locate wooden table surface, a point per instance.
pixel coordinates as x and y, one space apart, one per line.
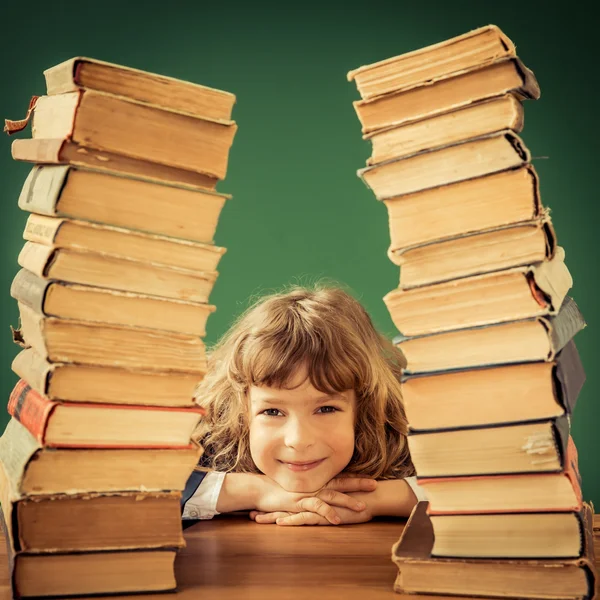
231 558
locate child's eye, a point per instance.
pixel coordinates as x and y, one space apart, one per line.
328 409
271 412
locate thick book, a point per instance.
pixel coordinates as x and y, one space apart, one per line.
494 395
527 340
485 203
472 254
434 168
421 573
476 120
159 90
511 535
59 232
533 447
86 425
64 300
87 522
134 129
75 265
89 343
105 385
34 470
68 153
540 492
508 295
507 75
478 47
127 202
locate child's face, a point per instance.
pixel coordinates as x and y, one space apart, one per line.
300 437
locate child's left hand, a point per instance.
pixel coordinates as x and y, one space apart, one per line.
309 518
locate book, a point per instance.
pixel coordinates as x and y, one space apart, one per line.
74 265
131 203
85 522
507 75
494 395
167 92
59 232
477 47
88 343
433 168
87 303
133 129
472 121
536 447
528 340
110 385
543 492
421 573
506 198
67 152
472 254
84 425
34 470
508 295
514 535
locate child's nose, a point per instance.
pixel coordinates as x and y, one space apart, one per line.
298 434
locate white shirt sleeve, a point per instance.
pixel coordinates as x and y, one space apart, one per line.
203 503
419 492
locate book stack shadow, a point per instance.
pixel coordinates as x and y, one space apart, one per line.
487 327
113 294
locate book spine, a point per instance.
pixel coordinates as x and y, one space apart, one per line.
29 289
36 258
565 324
31 367
562 428
553 278
42 229
569 376
43 186
30 408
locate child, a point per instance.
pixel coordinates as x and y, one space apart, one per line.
304 417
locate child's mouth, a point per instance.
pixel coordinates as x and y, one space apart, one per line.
303 466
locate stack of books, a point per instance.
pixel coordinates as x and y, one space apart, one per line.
113 291
487 327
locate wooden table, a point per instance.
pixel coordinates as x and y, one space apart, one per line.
231 558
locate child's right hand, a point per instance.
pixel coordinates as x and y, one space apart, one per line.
273 498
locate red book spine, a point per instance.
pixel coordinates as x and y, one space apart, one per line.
30 408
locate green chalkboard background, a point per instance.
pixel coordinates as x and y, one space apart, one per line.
298 211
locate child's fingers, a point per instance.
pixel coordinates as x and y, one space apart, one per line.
313 504
334 498
352 484
271 518
254 513
303 518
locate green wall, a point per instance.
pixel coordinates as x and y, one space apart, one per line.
299 212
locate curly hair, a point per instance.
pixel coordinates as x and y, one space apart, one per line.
328 332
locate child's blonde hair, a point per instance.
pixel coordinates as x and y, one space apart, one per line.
326 330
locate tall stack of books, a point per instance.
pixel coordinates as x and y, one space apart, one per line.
117 268
492 373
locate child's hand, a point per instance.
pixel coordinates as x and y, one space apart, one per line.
311 518
326 504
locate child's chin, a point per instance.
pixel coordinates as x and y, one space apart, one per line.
300 485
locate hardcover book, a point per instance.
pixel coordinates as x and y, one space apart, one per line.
528 340
34 470
508 295
477 47
127 202
420 573
455 90
534 447
112 385
158 90
83 425
494 395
